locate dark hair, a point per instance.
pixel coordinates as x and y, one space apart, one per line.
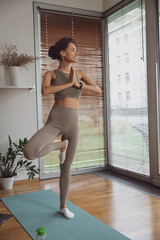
61 45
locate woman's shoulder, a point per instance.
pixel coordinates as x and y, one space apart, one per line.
51 74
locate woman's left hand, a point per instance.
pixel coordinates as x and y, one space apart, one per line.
76 84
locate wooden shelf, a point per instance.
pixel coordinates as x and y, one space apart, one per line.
17 87
30 88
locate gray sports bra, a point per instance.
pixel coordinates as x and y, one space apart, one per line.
63 78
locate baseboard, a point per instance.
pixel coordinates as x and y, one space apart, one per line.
144 187
26 180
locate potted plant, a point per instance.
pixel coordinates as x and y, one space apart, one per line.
10 165
14 61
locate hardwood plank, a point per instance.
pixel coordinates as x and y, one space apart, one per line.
131 212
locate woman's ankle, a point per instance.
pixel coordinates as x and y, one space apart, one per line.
62 205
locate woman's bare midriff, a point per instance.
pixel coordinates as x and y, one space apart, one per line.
68 102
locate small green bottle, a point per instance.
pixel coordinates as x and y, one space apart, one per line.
41 233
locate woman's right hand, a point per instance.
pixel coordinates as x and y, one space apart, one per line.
72 76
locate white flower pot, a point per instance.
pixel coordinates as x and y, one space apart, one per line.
7 183
14 76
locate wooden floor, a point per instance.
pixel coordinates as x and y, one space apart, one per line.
131 212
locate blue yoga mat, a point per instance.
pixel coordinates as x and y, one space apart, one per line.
40 208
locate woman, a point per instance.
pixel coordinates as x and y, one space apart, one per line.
67 85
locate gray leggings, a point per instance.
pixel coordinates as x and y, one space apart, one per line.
61 121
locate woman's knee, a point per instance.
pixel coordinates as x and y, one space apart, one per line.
65 169
28 154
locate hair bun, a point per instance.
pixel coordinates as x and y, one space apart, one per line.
52 52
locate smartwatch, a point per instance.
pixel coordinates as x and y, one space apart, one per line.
81 85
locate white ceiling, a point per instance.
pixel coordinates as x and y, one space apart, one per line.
107 4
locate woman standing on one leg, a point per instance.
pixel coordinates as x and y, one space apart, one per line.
67 85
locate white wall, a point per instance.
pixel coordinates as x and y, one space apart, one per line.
18 116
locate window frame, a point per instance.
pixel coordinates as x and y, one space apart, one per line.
64 10
152 73
152 46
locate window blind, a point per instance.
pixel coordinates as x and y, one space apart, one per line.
87 33
128 88
158 85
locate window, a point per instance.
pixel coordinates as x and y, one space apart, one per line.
128 137
126 57
131 93
119 78
127 76
126 37
117 40
128 96
119 96
118 60
87 33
